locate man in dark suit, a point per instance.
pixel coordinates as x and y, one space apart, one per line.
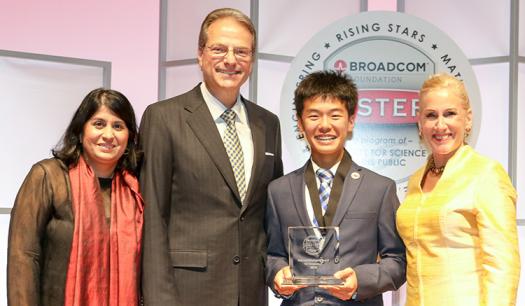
209 156
332 190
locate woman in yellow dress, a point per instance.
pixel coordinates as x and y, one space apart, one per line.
458 220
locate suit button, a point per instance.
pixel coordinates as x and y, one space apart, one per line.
318 299
236 259
242 218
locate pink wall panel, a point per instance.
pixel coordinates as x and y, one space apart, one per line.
382 5
123 32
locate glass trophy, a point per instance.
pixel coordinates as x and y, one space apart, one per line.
313 255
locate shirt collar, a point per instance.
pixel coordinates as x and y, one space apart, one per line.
333 169
217 108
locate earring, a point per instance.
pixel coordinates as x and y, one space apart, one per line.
466 135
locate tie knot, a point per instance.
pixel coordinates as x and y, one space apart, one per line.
325 175
228 116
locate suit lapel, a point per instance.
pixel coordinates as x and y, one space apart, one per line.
351 185
297 187
205 129
258 137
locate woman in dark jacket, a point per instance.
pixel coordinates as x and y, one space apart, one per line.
76 225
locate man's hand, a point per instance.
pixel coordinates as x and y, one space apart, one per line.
280 277
346 291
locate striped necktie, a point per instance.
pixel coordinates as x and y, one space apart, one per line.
326 178
234 150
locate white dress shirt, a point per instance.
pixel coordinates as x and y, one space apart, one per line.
241 125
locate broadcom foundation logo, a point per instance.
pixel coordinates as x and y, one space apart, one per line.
388 55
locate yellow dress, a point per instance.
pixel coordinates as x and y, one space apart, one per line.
461 238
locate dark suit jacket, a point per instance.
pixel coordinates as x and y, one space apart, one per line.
366 219
201 246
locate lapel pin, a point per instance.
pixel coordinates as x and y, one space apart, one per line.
355 175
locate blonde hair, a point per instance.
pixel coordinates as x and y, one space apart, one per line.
445 81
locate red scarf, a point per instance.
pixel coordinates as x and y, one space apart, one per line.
104 264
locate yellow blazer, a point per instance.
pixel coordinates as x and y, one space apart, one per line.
461 238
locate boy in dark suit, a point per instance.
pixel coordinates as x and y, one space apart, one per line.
332 190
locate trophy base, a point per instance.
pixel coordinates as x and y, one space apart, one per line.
314 281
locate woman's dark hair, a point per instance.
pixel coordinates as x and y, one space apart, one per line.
69 148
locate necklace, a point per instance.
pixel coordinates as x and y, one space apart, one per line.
435 170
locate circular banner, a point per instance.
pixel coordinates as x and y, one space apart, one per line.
388 55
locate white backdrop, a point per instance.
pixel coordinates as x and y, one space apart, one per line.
37 100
